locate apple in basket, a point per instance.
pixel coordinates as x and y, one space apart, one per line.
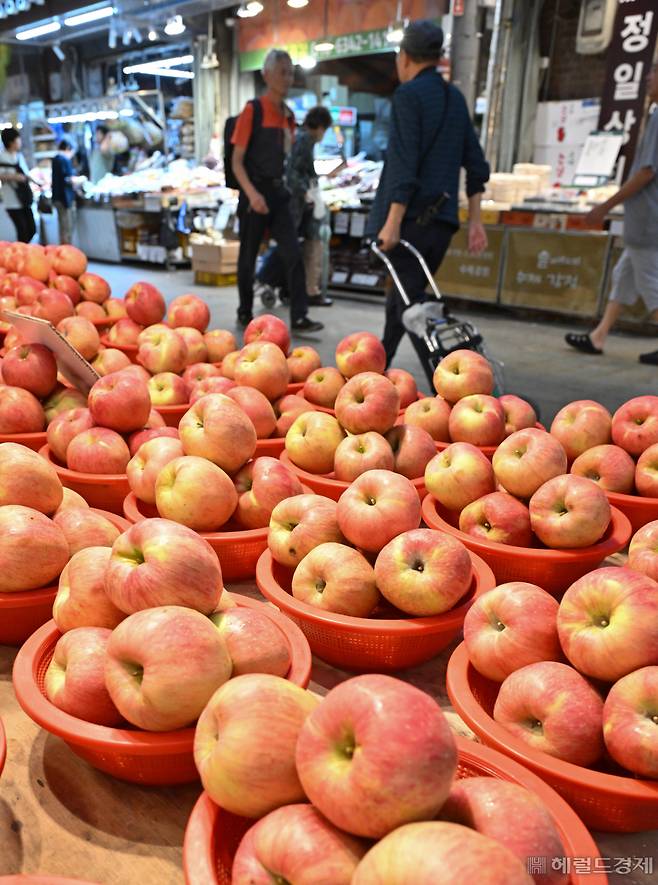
608 466
219 343
497 517
463 373
70 499
581 425
163 666
294 844
268 328
26 291
643 551
458 475
299 524
52 305
553 709
68 260
405 384
61 400
158 562
608 623
214 384
423 572
646 473
527 459
367 402
94 288
65 427
254 643
338 579
378 506
196 493
509 627
413 449
261 485
145 304
197 352
167 389
569 512
287 409
477 419
323 386
189 310
197 372
81 334
373 791
125 332
120 403
28 479
519 414
635 424
244 746
312 440
90 311
75 678
262 365
136 440
630 716
434 851
302 361
145 465
365 451
487 805
161 349
216 428
360 352
81 599
32 367
115 309
67 284
229 363
257 407
98 451
33 550
432 413
83 527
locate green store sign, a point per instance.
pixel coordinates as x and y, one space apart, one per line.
346 46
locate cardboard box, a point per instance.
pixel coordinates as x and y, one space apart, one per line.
220 258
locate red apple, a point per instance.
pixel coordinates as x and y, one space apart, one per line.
228 364
497 517
629 722
581 425
147 462
196 493
213 384
312 440
68 285
35 263
287 409
527 459
53 305
120 403
413 449
405 384
167 389
635 424
257 407
254 643
32 367
360 352
261 485
263 366
28 479
268 327
63 399
81 334
140 437
94 288
124 332
646 472
81 600
189 310
145 304
366 451
70 499
299 524
83 528
378 506
519 414
98 451
643 551
68 260
197 372
302 361
569 512
368 402
216 428
432 413
161 350
477 419
115 309
20 411
463 373
27 290
338 579
610 467
323 386
459 475
90 311
197 352
139 372
219 343
33 550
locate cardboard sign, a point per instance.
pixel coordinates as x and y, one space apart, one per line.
70 363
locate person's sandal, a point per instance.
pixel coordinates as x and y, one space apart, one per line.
582 342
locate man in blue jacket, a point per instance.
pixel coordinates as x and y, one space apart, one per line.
431 138
62 189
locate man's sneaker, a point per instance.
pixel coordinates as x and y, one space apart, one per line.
244 319
320 301
306 324
649 359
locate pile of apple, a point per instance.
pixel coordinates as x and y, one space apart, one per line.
149 633
604 698
337 801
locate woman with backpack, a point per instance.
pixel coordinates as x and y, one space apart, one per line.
17 196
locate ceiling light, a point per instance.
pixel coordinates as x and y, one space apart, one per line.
323 46
38 31
152 35
250 9
243 12
159 69
395 32
59 52
126 112
83 18
308 62
161 63
297 4
175 25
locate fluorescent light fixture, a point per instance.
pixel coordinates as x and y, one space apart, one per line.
88 117
308 62
146 66
59 52
254 7
126 112
297 4
395 32
93 15
38 31
152 35
169 72
243 12
175 25
323 46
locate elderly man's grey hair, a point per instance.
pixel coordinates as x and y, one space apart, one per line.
273 57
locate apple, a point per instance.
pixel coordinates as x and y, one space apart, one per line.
163 666
302 361
136 440
581 425
405 384
120 403
509 627
432 413
189 310
268 327
244 746
630 715
115 309
70 499
147 462
94 288
263 366
197 372
643 551
323 386
312 440
75 678
91 311
569 512
377 506
53 305
196 493
197 352
228 364
360 352
338 579
477 419
145 304
159 562
488 804
299 524
84 527
646 472
32 367
608 623
366 451
20 411
610 467
26 290
287 409
219 343
519 414
28 479
553 709
257 407
68 260
368 402
216 428
433 851
459 475
33 550
139 372
12 338
497 517
254 643
124 332
167 389
213 384
423 572
64 427
413 449
35 263
261 485
81 334
98 451
349 761
635 424
161 350
463 373
527 459
81 600
68 285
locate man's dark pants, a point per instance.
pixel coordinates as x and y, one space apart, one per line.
281 227
432 242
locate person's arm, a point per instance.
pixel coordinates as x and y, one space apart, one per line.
477 174
256 199
635 183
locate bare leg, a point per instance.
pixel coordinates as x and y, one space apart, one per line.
607 321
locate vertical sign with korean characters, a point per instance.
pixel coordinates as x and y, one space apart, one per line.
629 60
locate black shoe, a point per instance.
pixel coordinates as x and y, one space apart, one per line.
649 359
583 343
306 324
244 319
320 301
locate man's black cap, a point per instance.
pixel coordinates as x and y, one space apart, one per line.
422 38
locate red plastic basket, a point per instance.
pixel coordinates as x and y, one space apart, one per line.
604 800
295 387
34 441
24 612
3 747
212 835
333 412
130 350
489 451
388 641
106 491
105 324
325 484
273 446
144 757
172 414
554 570
638 510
